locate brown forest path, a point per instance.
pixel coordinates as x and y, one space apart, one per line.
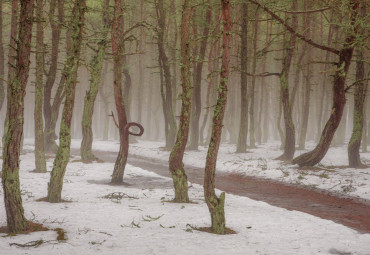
346 211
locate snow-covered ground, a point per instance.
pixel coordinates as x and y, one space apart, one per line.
143 223
260 163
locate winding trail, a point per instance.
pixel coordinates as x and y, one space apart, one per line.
350 212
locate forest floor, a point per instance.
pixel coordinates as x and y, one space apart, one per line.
136 219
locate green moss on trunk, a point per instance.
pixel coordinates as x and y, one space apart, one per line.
61 160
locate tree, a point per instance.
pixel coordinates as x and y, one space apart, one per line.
166 85
123 125
243 127
197 80
359 98
96 67
176 164
216 204
14 126
39 91
2 60
288 45
51 109
345 55
72 62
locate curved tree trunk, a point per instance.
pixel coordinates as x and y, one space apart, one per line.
39 93
289 45
96 66
15 114
241 146
176 164
123 125
56 27
345 55
72 62
216 204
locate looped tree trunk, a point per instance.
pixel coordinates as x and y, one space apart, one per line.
134 124
119 167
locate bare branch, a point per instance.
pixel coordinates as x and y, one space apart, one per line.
292 30
114 119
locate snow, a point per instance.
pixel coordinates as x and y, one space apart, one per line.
142 222
331 176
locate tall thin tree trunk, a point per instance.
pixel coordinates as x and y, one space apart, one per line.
15 112
176 164
72 62
289 45
11 54
2 60
216 204
359 102
39 92
241 146
96 67
167 81
197 99
252 139
56 24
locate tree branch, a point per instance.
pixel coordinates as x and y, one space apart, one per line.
291 30
114 119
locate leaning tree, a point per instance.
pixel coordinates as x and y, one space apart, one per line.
176 165
71 67
123 125
216 204
349 9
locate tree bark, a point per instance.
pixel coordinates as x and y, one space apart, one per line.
197 79
72 62
50 122
176 164
171 126
359 102
216 204
15 114
241 146
39 92
96 67
2 59
289 45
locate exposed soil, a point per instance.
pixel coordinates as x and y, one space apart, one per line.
350 212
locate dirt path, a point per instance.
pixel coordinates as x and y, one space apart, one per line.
347 211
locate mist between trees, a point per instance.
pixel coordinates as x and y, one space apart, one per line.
190 73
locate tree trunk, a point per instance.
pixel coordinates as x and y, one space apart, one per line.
72 62
216 204
252 139
15 112
241 146
176 164
345 55
197 99
165 66
123 125
96 66
11 53
289 45
56 27
39 92
359 102
2 60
